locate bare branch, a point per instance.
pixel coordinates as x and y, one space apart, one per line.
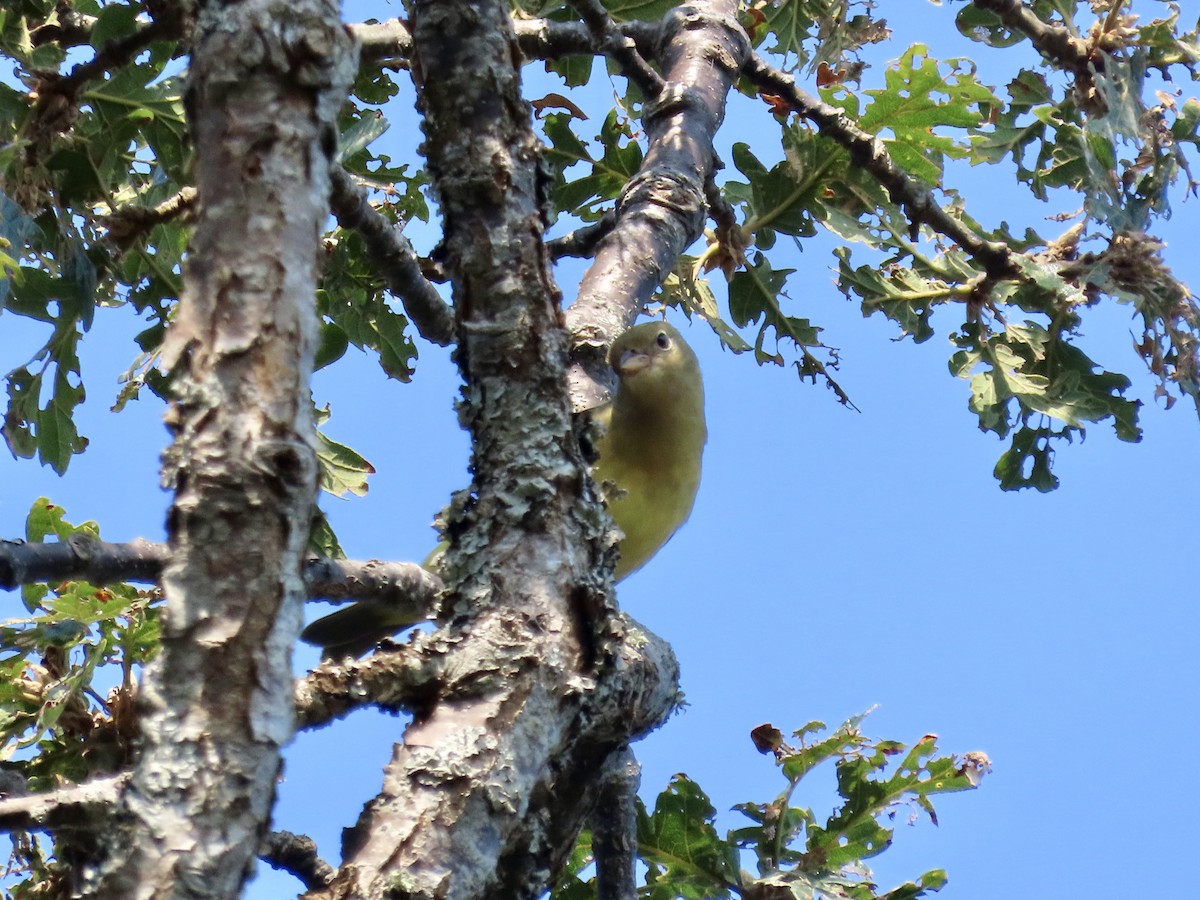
126 223
297 855
382 40
661 210
80 557
336 580
614 829
74 805
394 258
1054 42
582 242
913 196
537 38
618 46
99 563
393 679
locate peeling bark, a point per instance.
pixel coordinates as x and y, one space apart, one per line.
537 686
266 81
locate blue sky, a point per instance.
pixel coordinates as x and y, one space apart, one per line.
834 561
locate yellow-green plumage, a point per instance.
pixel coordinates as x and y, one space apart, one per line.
652 441
652 435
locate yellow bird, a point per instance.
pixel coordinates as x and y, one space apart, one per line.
652 436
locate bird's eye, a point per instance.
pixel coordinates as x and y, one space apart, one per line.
663 340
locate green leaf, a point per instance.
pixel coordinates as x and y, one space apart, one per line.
116 20
46 519
352 300
360 133
786 199
576 71
16 230
693 294
678 842
322 541
571 883
583 195
901 294
920 103
986 27
756 293
343 471
374 85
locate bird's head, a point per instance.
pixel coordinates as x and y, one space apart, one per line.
653 357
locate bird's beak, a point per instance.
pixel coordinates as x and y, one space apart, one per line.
632 362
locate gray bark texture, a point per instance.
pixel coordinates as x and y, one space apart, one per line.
538 681
265 84
527 696
661 210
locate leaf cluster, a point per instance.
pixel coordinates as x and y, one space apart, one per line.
95 191
1101 148
95 194
56 729
796 855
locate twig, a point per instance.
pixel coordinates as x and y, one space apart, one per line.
394 258
126 223
913 196
730 241
392 681
619 47
99 562
614 828
537 38
296 854
582 241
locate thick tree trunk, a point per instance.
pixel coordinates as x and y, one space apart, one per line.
539 685
265 84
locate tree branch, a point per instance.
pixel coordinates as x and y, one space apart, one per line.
394 258
55 96
618 46
394 680
614 829
127 223
296 854
913 196
76 805
1054 42
99 563
265 84
1060 47
534 687
661 210
73 29
537 38
582 242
